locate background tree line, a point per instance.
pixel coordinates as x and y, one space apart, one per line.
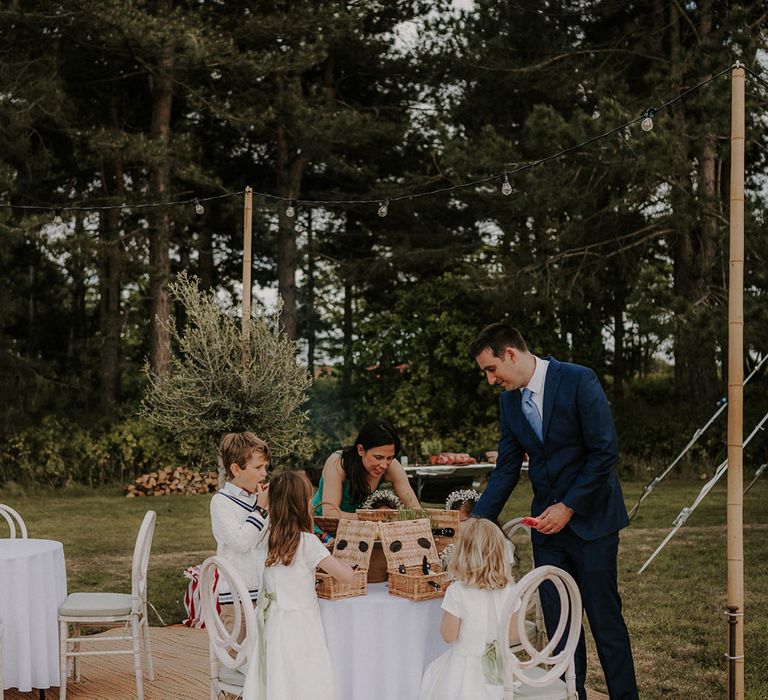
614 256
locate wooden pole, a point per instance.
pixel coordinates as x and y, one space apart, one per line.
247 261
735 530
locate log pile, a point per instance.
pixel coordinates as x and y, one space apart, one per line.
179 482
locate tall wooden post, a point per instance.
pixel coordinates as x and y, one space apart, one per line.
735 395
247 262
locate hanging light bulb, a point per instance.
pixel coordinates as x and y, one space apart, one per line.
199 208
506 187
384 208
647 123
57 216
290 210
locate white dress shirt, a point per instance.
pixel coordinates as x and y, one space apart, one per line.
536 384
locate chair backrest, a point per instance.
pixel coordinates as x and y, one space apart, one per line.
223 643
512 527
141 558
13 519
558 664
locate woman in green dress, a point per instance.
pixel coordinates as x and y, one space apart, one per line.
350 475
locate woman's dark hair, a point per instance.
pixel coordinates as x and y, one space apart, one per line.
374 433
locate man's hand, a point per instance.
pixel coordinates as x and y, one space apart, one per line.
262 495
554 519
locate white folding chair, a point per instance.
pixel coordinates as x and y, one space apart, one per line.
13 519
229 658
539 675
535 628
111 610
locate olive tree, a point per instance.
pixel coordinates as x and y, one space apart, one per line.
221 380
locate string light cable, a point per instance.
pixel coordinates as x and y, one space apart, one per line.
383 203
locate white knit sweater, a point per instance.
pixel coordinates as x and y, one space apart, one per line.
241 537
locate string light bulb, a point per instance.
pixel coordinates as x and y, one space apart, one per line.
57 216
199 208
290 210
384 208
647 123
506 187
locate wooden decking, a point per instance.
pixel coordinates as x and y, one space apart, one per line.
182 670
180 656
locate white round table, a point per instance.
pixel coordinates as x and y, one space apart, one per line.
380 644
33 583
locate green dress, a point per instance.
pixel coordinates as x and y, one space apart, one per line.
346 502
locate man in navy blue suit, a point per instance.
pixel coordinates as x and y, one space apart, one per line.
558 413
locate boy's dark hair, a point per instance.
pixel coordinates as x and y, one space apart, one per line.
497 336
236 448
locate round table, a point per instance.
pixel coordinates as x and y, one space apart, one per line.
380 644
33 583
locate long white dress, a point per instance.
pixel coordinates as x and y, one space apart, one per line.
298 665
457 674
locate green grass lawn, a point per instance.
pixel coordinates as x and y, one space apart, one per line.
674 610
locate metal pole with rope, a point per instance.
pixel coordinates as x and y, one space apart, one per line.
722 404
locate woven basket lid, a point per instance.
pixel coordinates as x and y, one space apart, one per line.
354 542
407 542
439 517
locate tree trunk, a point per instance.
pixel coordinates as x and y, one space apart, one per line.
619 363
310 332
290 168
347 325
695 250
110 280
77 333
160 230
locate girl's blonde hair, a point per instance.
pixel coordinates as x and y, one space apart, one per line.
289 516
480 559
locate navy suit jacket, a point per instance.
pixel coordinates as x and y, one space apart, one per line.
576 461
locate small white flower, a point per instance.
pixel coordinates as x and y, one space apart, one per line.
460 496
382 496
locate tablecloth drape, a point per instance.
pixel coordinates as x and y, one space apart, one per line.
380 644
33 583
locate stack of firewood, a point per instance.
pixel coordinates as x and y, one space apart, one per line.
179 481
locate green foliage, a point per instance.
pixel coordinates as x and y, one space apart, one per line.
219 384
58 452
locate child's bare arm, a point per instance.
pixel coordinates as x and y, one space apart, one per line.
340 570
449 627
514 635
333 485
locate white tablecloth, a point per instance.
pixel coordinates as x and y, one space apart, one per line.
33 583
380 644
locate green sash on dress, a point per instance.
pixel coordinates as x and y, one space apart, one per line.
492 663
266 598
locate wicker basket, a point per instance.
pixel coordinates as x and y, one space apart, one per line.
376 514
353 545
325 523
443 521
406 543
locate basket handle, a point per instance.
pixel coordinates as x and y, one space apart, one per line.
326 503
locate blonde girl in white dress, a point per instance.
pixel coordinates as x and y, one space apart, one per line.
470 669
297 663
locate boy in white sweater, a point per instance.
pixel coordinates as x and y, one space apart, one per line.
239 516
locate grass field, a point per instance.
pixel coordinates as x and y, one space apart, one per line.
674 610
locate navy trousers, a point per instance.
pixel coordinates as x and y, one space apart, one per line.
593 565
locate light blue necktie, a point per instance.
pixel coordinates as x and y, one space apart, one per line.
531 412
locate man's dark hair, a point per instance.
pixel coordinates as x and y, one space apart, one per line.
497 336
